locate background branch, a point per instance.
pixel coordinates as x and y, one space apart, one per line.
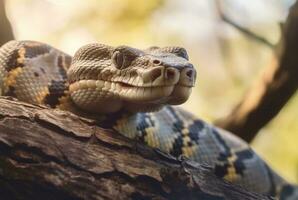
272 90
241 28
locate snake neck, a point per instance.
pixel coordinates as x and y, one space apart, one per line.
122 121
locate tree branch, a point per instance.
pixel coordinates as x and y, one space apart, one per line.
241 28
272 90
52 154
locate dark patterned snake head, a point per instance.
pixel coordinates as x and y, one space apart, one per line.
106 79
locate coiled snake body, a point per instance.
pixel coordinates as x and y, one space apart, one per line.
136 89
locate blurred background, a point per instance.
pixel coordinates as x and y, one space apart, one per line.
227 59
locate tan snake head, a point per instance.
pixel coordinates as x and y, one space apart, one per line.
104 79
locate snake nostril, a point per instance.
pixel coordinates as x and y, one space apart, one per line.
156 62
156 73
170 73
189 73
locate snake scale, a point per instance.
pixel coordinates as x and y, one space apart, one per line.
134 91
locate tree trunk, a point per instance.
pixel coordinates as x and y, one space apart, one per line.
5 27
272 91
52 154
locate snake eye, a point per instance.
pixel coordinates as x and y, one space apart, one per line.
118 59
123 56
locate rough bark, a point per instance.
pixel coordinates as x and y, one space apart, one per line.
272 90
52 154
6 33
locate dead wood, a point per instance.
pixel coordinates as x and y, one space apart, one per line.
52 154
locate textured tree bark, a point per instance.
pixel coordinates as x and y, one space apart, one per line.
6 33
52 154
271 92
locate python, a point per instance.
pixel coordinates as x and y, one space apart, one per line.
135 92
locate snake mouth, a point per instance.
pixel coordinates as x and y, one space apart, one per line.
91 95
132 93
152 99
127 85
153 89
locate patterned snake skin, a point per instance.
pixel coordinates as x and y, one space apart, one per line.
132 91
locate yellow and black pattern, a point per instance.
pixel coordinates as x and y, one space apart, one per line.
34 72
37 73
177 132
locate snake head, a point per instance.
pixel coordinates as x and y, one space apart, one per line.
104 79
